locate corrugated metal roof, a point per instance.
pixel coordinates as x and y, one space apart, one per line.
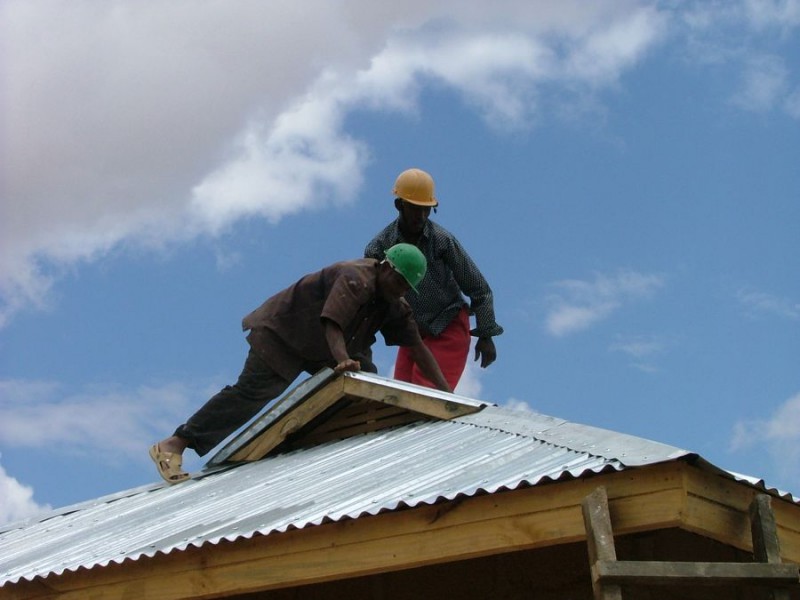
421 463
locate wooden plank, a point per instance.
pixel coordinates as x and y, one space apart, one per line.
359 416
596 519
600 541
291 422
787 522
416 401
766 547
640 512
355 408
718 522
367 412
718 507
319 437
697 573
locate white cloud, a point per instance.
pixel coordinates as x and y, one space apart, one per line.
605 53
761 303
641 348
303 160
118 423
637 346
565 319
791 104
761 16
734 34
470 385
519 405
764 84
784 14
16 500
226 260
576 305
122 109
778 434
150 123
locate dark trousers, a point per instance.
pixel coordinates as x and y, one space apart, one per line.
233 406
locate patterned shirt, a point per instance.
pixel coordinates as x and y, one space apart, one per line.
451 272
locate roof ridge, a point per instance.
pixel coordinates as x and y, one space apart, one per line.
627 449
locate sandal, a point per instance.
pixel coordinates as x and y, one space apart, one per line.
168 465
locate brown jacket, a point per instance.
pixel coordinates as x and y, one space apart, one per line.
288 326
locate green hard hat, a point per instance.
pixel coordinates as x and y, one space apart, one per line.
407 260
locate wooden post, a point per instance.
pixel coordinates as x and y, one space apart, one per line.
600 539
766 547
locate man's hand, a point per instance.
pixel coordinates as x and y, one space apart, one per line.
485 350
335 339
347 365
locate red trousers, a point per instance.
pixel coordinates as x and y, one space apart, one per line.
450 349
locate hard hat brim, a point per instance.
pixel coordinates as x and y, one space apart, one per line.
433 203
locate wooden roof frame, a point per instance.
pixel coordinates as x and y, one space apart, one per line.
661 496
378 404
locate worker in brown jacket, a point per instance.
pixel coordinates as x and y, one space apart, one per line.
324 319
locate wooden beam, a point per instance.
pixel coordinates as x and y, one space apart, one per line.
392 420
766 546
291 422
419 402
600 541
274 413
696 573
718 507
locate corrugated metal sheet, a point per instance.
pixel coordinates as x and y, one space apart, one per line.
421 463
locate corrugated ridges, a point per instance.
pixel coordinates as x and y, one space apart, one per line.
416 464
421 463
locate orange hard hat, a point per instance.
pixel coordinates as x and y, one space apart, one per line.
415 186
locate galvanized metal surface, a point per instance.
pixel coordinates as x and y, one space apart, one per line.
421 463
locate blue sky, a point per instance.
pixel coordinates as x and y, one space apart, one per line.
624 173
